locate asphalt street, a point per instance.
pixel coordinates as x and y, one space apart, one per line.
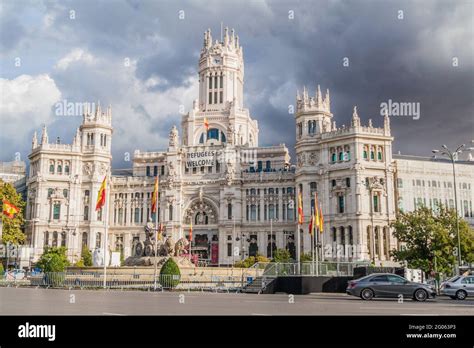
30 301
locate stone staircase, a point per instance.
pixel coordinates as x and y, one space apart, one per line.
258 285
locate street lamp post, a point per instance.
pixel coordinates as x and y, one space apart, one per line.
453 156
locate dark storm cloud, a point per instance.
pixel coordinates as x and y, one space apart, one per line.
405 60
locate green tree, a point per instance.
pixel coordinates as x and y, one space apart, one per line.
281 255
427 234
12 232
170 274
53 260
86 256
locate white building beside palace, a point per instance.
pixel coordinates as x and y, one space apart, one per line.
239 196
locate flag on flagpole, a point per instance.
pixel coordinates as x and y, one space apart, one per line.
206 123
9 209
300 209
311 223
101 194
321 220
154 197
316 211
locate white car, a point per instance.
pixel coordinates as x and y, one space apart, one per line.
458 288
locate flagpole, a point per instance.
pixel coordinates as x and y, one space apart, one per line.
106 227
156 236
316 237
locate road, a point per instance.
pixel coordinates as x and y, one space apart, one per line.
30 301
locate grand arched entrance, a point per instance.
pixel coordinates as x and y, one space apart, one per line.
202 213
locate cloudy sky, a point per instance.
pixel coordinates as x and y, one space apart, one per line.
141 58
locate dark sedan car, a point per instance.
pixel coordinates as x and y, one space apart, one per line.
388 285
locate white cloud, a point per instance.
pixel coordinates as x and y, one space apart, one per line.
25 104
76 55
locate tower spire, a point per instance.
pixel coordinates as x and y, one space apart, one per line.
44 135
355 118
34 142
319 98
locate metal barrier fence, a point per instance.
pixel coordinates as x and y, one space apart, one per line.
145 281
95 280
332 269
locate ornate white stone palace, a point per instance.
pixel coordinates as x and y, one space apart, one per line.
240 196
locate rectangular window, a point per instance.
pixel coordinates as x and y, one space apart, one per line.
210 97
348 182
399 183
222 82
221 97
86 213
229 249
341 204
56 211
215 97
147 170
376 203
210 82
155 170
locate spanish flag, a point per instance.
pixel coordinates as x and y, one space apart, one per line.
154 197
300 209
316 211
311 224
321 220
9 209
206 123
101 194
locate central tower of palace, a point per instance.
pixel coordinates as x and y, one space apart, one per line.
220 100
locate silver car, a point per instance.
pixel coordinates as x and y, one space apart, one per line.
459 287
388 285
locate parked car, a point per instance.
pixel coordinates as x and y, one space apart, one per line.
459 287
388 285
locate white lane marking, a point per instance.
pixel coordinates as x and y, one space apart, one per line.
107 313
261 314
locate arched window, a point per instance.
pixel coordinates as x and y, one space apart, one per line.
343 240
51 168
380 154
201 139
213 133
136 217
55 239
271 211
86 213
341 156
98 240
223 138
253 212
333 157
46 239
377 238
60 168
386 238
369 244
63 239
84 239
366 152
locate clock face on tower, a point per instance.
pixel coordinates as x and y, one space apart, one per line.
216 60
